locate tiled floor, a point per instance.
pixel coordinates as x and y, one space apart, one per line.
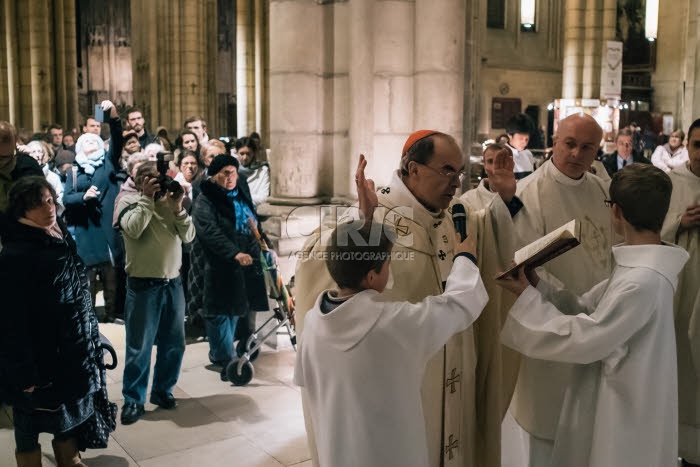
215 423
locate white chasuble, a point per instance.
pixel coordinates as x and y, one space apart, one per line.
551 199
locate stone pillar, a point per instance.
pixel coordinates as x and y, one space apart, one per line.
394 88
474 30
299 165
178 79
588 24
691 101
574 37
38 63
439 66
361 93
258 33
12 64
245 66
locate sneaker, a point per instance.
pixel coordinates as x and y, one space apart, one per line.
164 400
131 412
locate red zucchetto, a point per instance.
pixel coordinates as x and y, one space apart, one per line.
415 137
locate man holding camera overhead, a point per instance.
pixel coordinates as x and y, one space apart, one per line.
154 225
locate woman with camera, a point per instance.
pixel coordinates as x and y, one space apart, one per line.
49 339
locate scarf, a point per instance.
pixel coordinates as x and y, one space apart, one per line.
243 212
95 158
53 231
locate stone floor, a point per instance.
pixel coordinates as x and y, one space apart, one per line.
215 423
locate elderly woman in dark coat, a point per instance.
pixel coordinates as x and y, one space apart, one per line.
233 279
90 190
49 339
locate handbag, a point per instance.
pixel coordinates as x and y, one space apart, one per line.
94 432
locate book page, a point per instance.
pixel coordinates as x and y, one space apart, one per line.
567 230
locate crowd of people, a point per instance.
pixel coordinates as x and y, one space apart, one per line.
598 343
77 211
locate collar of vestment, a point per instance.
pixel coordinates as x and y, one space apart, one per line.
685 172
559 177
397 194
416 227
484 187
666 259
350 322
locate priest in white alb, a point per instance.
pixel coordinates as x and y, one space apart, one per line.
682 226
560 190
497 365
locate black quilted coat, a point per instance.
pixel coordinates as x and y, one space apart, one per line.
229 289
49 334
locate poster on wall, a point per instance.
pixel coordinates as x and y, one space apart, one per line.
611 71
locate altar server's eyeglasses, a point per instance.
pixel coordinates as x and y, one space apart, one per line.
608 202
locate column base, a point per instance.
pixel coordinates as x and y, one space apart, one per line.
308 201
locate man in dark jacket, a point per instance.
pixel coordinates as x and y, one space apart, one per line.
13 166
136 122
624 155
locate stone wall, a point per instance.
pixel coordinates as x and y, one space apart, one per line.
532 87
359 77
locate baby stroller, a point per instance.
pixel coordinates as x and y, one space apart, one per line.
240 370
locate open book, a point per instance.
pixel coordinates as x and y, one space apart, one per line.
548 247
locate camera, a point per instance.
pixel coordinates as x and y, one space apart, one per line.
166 182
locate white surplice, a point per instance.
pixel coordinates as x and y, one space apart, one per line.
686 192
621 408
363 393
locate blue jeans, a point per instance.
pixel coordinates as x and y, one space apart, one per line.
155 313
221 331
27 435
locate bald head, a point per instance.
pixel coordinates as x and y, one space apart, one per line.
581 122
576 144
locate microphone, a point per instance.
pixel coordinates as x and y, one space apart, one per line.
459 219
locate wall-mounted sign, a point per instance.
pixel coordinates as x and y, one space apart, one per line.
611 71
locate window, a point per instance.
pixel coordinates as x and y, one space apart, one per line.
496 14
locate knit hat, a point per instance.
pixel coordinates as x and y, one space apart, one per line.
221 161
64 156
415 137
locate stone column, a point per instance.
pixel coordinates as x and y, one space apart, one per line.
245 66
690 98
439 66
475 28
361 109
177 79
12 64
588 24
38 83
299 164
394 88
574 37
258 33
